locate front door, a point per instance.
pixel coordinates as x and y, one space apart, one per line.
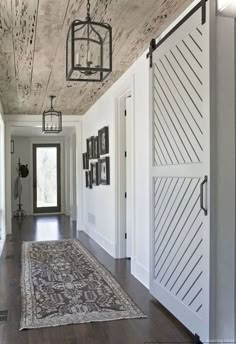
46 178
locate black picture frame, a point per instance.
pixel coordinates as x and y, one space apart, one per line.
12 147
104 171
103 139
90 147
85 161
95 176
95 147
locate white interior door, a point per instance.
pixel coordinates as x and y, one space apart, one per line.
180 147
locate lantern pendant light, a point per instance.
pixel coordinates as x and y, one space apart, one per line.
52 120
88 50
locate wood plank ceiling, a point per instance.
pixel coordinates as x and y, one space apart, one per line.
32 48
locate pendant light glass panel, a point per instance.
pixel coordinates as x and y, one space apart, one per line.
52 123
89 51
52 120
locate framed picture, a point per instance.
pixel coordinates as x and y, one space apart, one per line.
12 146
90 147
103 139
94 169
95 148
87 179
85 161
104 170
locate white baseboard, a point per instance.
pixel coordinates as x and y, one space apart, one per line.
141 273
107 245
137 269
80 227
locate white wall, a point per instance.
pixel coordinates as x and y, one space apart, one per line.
73 177
2 181
225 173
79 176
22 151
67 144
100 203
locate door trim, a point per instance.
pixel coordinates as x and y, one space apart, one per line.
47 210
126 89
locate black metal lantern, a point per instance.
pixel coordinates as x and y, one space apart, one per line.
88 50
52 120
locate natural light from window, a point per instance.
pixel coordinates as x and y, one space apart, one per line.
46 177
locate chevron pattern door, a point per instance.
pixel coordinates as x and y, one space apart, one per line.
180 173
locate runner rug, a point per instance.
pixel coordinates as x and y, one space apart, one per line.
62 283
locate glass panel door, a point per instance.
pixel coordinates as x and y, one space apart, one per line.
46 165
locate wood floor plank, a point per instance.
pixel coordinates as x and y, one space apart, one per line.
159 327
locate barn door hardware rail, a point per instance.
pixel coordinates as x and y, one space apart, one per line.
154 45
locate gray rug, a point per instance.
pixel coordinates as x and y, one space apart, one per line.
62 283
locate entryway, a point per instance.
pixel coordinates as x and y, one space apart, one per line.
50 186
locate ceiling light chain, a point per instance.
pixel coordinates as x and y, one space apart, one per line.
88 10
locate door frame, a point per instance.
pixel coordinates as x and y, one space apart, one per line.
125 90
46 210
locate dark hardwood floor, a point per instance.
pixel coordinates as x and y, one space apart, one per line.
159 327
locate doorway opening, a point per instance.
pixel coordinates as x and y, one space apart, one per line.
46 178
125 179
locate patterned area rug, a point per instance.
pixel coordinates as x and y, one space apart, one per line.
62 283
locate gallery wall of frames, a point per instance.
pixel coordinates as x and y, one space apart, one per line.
96 163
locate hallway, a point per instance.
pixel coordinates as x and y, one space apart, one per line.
117 171
159 327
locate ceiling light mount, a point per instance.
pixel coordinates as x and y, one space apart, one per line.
88 10
88 50
52 120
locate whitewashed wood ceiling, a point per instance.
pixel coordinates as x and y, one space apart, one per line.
32 48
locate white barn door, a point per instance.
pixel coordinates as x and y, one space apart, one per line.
180 222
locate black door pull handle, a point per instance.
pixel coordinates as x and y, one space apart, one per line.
202 195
